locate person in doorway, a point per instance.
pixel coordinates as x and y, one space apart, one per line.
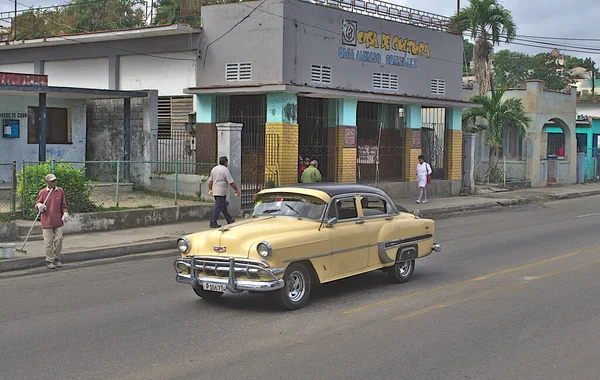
218 183
302 165
312 174
561 151
423 175
52 205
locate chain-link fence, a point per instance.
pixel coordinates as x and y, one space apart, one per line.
506 171
7 190
111 185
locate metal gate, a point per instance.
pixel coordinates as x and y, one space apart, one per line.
317 134
432 139
380 131
251 112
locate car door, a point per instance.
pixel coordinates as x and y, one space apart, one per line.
376 214
349 238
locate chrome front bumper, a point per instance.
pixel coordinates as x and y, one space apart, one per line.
222 270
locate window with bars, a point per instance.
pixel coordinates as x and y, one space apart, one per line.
320 74
513 144
235 72
438 87
385 81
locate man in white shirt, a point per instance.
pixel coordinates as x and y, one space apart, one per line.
423 173
218 183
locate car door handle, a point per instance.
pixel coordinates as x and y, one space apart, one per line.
360 221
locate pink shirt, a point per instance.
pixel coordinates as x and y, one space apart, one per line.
56 207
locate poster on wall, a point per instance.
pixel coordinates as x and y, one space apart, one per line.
10 129
11 124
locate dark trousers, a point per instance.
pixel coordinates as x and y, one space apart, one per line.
220 207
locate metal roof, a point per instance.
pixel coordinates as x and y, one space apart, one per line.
70 92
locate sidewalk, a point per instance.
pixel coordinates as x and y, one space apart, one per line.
98 245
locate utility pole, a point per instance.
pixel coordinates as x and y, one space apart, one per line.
458 12
15 20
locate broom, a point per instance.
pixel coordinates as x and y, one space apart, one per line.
22 249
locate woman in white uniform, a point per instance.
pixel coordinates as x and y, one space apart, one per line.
423 171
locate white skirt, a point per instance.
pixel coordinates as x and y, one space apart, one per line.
422 180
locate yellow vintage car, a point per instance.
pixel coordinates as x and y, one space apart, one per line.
304 234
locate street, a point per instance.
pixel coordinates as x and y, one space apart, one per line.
513 295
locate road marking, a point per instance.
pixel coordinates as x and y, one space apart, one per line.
588 215
491 291
455 284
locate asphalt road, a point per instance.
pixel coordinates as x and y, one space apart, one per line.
513 295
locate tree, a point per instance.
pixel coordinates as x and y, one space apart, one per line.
169 12
511 69
493 117
554 75
590 66
468 55
488 23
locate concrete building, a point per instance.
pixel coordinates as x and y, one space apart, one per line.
547 154
363 87
162 58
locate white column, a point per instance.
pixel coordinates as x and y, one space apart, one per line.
229 144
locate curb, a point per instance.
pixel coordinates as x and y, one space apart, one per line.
91 254
169 243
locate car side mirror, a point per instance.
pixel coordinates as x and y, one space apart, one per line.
247 216
331 222
417 214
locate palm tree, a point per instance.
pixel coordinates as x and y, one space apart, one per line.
489 23
495 115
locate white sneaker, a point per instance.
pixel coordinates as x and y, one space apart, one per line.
58 263
425 201
418 201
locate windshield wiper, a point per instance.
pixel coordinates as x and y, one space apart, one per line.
295 212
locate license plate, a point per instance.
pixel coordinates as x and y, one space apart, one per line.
213 287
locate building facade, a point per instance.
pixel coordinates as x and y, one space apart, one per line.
364 89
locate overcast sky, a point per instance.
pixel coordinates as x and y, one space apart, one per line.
554 18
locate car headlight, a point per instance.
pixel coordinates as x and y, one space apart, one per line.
183 244
264 249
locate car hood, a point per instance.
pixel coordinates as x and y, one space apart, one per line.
238 239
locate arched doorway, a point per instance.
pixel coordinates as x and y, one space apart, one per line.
556 152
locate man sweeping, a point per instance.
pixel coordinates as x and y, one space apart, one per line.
53 217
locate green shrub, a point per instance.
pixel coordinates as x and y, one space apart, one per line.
72 180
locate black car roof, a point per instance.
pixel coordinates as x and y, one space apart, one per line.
335 188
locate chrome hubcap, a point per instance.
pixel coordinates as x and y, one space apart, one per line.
296 286
404 268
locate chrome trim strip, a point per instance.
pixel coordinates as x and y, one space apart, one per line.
395 243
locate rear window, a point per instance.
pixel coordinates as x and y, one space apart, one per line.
286 204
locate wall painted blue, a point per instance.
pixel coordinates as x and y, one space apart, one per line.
413 116
454 117
206 108
17 149
282 107
347 112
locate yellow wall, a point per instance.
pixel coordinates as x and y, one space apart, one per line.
453 155
411 157
346 160
281 153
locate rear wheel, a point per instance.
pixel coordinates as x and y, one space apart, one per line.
296 290
206 294
401 272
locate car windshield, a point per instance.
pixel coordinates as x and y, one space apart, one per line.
296 205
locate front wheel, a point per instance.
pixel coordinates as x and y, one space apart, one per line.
207 294
401 272
296 290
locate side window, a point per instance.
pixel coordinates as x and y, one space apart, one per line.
373 206
343 209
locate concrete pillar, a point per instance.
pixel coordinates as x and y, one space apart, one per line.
43 119
281 140
113 72
206 128
346 141
468 165
38 67
229 142
412 141
453 145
